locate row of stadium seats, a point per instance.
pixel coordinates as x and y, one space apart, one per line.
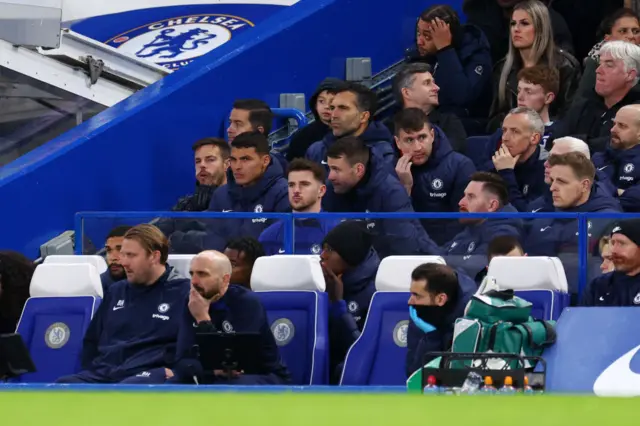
66 291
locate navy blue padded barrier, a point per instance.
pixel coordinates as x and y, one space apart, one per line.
49 322
148 137
378 357
305 348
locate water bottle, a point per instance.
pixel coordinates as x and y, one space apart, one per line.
527 388
472 383
432 386
488 386
507 388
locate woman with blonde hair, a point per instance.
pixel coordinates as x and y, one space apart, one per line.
530 44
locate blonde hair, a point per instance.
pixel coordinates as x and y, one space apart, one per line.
151 239
543 47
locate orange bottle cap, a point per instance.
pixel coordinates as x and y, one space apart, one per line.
508 381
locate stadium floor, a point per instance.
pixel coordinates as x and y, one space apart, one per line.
159 406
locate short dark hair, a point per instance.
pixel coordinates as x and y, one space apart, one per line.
582 167
222 145
304 165
439 279
494 184
548 78
366 99
255 140
260 113
151 239
251 248
606 26
119 231
405 78
410 120
351 148
502 245
448 15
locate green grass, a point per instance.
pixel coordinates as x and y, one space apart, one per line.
226 409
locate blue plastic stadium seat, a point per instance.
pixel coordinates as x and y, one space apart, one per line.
379 355
291 288
299 323
54 320
547 304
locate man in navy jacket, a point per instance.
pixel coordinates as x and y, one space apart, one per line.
621 160
112 246
433 174
486 193
307 187
216 306
439 296
358 182
572 189
352 110
349 264
255 183
132 336
622 286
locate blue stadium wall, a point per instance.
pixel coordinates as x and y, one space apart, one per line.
137 156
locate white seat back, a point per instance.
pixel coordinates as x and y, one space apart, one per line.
287 273
181 263
394 272
528 273
97 261
65 280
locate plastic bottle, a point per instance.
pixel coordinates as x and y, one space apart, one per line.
472 383
527 389
431 387
507 387
488 386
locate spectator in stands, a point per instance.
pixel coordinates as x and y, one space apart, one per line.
255 183
505 246
433 174
486 193
112 246
537 89
531 44
623 25
520 158
252 115
622 286
243 253
320 105
211 164
132 336
306 189
360 182
16 272
349 263
439 296
572 187
621 160
352 111
460 54
215 305
591 118
603 186
493 18
414 87
604 246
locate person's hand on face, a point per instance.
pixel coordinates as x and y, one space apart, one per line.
441 34
503 160
199 306
335 287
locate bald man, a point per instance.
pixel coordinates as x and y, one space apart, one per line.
621 160
217 306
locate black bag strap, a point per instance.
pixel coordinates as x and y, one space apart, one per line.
550 333
500 294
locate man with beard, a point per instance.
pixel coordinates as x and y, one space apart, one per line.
112 246
216 306
622 286
306 188
132 337
439 295
352 111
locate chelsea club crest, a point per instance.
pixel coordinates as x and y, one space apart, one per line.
176 42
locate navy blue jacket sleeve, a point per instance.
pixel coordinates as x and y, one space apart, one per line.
344 328
419 344
630 199
589 294
187 365
463 84
92 335
516 198
313 152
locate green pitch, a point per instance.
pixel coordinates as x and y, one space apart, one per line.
227 409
